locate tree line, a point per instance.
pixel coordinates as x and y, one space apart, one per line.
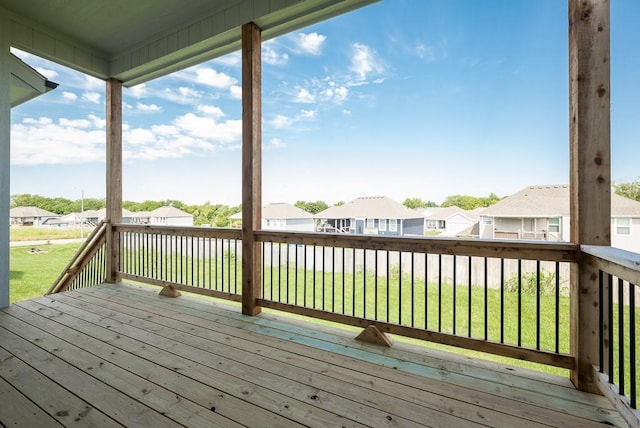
217 215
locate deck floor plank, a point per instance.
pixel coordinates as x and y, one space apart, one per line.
507 397
254 370
201 363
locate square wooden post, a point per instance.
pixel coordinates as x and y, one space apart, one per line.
251 167
590 171
114 174
5 156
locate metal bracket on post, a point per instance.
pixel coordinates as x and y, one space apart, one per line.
373 335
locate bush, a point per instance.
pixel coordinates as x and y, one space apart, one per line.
529 283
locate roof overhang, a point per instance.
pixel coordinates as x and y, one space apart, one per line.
136 41
26 83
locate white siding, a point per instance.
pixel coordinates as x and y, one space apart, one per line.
629 242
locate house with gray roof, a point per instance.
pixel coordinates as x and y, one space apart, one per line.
542 213
170 216
31 216
371 215
282 216
449 221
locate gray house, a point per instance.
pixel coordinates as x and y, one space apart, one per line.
31 216
542 213
371 215
282 216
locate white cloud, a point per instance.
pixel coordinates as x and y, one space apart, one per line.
47 72
93 84
210 77
310 43
92 97
139 91
340 94
181 95
98 122
165 130
69 96
281 121
308 114
304 96
272 57
138 136
364 61
236 92
77 123
209 129
276 143
214 111
148 107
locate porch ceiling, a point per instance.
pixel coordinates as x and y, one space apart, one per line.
136 41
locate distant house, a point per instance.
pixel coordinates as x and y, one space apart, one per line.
371 215
281 216
170 216
449 221
31 216
93 217
542 213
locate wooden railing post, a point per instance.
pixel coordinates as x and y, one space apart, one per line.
590 172
251 167
114 173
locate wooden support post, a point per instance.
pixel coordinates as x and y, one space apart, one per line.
590 171
114 174
5 156
372 334
251 167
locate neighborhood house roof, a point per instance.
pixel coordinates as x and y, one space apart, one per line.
169 212
281 210
552 201
370 207
440 213
23 212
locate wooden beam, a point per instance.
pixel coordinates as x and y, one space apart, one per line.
114 172
590 171
251 167
5 156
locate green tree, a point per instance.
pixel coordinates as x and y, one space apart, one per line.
629 189
467 202
312 207
417 203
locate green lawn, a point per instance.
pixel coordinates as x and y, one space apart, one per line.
32 273
42 233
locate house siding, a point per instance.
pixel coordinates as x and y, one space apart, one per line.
300 225
629 242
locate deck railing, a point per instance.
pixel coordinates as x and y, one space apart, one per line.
88 266
200 260
619 290
506 298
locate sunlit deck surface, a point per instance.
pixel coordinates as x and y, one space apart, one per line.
123 355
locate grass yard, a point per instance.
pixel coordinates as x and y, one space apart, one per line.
32 273
44 234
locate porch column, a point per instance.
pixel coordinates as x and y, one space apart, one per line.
590 171
5 150
251 167
114 173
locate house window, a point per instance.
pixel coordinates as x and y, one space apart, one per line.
623 226
382 224
528 224
487 220
393 225
554 225
370 223
431 224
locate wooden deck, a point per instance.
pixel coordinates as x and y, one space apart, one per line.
122 355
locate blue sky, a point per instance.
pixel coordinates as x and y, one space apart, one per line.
403 98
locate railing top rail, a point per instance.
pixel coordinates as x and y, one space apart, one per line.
533 250
621 263
194 231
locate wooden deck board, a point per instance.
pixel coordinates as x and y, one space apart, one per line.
134 358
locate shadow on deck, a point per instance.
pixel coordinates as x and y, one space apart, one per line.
122 355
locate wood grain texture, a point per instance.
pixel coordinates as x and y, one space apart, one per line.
590 169
114 172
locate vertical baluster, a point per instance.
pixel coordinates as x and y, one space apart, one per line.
413 297
388 296
375 285
399 287
486 299
610 328
558 307
501 300
600 321
632 344
426 291
519 302
621 364
455 269
333 278
538 304
440 292
364 283
469 300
